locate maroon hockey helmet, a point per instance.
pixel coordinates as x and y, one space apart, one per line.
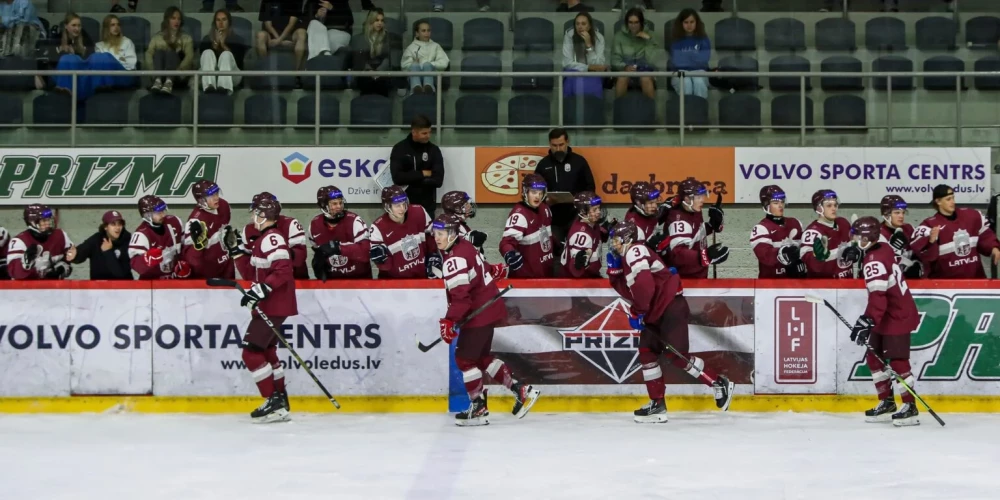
447 222
203 189
454 202
392 195
691 187
323 197
35 213
771 193
263 195
892 202
819 197
150 204
268 209
866 229
641 193
533 181
625 231
584 200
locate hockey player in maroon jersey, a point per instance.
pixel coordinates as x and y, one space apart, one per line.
460 204
203 248
290 227
885 326
687 233
4 241
647 212
470 283
269 266
401 243
581 257
527 240
155 249
339 238
775 239
950 240
826 245
41 252
896 233
661 313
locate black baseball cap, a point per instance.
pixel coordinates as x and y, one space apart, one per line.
940 191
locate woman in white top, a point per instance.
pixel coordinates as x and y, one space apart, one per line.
423 54
114 52
583 51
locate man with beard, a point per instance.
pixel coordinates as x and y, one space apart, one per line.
564 171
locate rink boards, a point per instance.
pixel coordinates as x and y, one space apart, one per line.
174 347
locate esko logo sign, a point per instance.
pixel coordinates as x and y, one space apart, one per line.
297 167
794 341
607 341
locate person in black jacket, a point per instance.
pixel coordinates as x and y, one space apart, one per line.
566 171
107 249
417 164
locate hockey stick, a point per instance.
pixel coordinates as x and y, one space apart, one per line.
426 347
991 218
234 284
885 366
715 268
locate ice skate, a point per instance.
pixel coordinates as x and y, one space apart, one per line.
655 412
284 400
723 392
270 411
524 398
906 416
883 412
477 414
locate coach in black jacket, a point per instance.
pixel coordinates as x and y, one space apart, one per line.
417 164
107 249
564 170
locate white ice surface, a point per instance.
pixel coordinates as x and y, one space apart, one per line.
699 456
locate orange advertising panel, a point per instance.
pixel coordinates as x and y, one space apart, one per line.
499 170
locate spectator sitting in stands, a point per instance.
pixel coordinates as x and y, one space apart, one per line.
114 52
646 4
20 28
331 25
573 6
118 9
170 49
583 50
371 53
231 6
222 50
632 51
282 26
74 49
690 50
423 54
107 249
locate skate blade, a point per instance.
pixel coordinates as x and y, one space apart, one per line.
277 416
879 419
476 422
532 397
906 422
659 418
729 400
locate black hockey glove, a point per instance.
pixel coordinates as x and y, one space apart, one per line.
715 215
319 265
606 226
862 330
513 259
30 254
796 271
654 241
232 241
433 264
851 254
379 253
256 293
788 255
329 249
715 254
477 238
60 270
199 234
914 272
581 260
898 241
662 211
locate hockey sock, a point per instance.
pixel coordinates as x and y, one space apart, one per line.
497 370
472 377
260 369
651 374
696 367
883 386
902 367
277 370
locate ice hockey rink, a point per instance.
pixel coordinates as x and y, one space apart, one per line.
545 456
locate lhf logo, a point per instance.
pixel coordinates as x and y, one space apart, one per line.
794 341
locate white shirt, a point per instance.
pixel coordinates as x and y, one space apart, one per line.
126 50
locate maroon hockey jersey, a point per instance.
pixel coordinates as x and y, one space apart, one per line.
767 238
582 237
213 261
687 232
168 240
270 262
646 283
838 237
409 243
469 285
53 251
529 231
4 241
905 259
890 303
645 224
295 238
354 260
962 236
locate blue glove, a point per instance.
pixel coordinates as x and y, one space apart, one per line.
673 270
379 253
614 264
433 264
513 259
636 322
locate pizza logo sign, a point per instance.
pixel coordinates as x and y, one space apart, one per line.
503 175
607 341
296 167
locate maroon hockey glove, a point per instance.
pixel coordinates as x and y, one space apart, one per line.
448 330
182 270
153 257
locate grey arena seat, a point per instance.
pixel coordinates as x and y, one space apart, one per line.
92 27
695 110
331 62
598 25
784 33
371 110
11 109
244 29
885 33
533 62
937 33
893 64
948 65
982 32
529 110
786 111
215 109
482 34
481 62
52 108
442 32
845 110
160 109
740 63
634 108
274 61
583 110
106 108
740 110
789 63
477 109
138 30
988 63
192 26
396 27
265 108
329 109
421 104
17 83
835 34
534 34
735 33
841 64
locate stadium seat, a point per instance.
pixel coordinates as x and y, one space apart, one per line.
982 33
735 33
534 34
598 25
583 110
266 108
786 111
988 63
482 34
789 64
477 109
481 62
841 64
396 27
943 64
885 33
106 108
11 109
138 30
835 34
845 111
533 62
739 110
17 83
332 62
442 32
274 61
192 26
893 64
215 109
329 110
529 110
695 111
784 33
936 33
634 108
371 110
740 62
92 27
160 109
52 108
243 28
421 104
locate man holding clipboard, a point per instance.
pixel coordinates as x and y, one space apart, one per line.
566 174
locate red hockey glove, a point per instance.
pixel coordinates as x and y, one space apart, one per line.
664 245
182 269
448 330
498 271
153 257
